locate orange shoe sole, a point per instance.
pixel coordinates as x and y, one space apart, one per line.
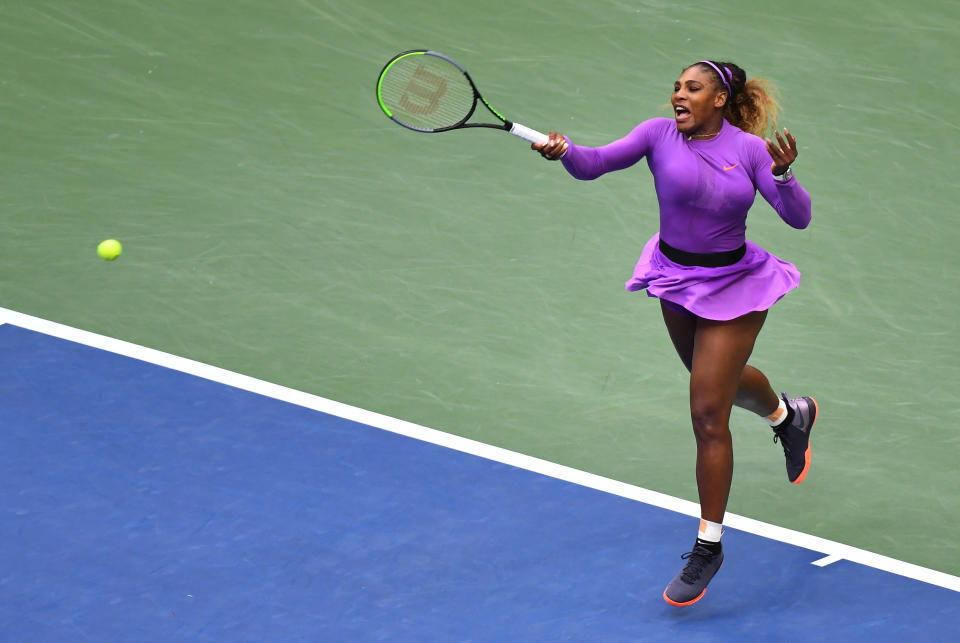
676 604
808 455
690 602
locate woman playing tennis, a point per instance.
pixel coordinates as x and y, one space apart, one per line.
714 286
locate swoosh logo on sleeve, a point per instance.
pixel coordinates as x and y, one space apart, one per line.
727 168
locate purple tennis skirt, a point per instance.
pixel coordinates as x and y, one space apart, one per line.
756 282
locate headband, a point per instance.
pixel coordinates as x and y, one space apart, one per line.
720 73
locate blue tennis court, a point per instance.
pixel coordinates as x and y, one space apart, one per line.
145 503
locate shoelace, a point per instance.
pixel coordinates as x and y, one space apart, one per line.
696 561
780 435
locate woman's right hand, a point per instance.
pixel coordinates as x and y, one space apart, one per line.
554 148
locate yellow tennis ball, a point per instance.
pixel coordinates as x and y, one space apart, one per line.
109 249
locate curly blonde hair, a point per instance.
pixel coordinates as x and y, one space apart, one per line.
752 105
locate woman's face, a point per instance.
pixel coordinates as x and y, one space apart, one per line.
697 102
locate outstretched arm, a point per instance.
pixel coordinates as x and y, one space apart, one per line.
586 163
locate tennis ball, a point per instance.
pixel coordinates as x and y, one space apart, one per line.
109 249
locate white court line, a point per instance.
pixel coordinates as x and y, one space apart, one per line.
833 551
823 562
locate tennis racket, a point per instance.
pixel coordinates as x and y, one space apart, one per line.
428 92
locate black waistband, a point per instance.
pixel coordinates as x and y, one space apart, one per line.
704 259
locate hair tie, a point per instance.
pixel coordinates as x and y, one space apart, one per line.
721 75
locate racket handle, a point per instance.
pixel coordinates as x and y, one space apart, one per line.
528 134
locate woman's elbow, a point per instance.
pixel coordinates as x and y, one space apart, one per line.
581 175
801 223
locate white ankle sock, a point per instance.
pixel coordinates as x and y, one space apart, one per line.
710 531
778 416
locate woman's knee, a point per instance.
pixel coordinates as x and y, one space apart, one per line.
711 419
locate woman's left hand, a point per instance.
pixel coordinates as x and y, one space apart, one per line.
783 154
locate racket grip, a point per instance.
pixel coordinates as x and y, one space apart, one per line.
528 134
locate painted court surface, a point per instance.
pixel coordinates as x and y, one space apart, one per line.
145 502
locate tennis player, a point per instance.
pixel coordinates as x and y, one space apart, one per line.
714 286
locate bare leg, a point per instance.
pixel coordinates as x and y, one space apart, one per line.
721 350
716 354
754 392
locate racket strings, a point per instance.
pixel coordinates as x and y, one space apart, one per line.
426 92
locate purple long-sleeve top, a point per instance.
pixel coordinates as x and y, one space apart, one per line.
704 187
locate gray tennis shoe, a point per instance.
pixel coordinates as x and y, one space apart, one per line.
691 584
794 436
